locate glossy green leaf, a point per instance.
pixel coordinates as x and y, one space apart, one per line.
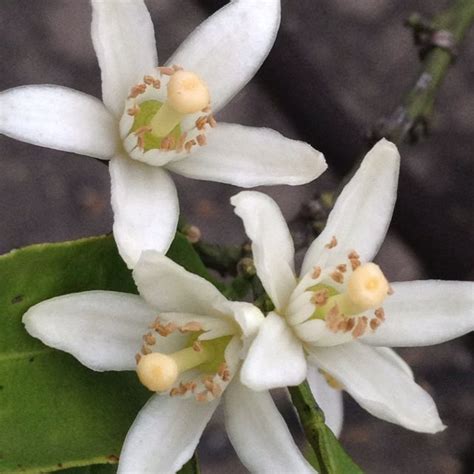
55 413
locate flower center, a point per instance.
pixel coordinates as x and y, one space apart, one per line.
340 299
176 372
168 111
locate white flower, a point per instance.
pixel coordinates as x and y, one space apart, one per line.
164 116
341 313
191 340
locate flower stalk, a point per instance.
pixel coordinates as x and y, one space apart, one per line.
317 434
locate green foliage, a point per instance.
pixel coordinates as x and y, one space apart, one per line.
55 413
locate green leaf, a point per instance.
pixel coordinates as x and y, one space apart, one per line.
328 455
55 413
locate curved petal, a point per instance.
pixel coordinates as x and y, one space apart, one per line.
363 210
164 435
171 289
124 41
248 157
275 358
272 245
328 398
229 47
146 208
380 386
422 313
59 118
259 433
102 329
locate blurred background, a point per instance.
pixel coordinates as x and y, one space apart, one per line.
337 67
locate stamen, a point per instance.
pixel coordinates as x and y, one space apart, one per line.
360 328
190 327
375 323
342 268
320 297
133 111
166 71
338 277
332 243
201 139
380 314
316 273
137 90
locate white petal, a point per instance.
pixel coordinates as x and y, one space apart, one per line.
363 210
392 357
124 41
380 386
311 331
59 118
247 316
259 433
164 435
146 208
170 288
272 245
229 48
328 398
249 157
275 358
422 313
102 329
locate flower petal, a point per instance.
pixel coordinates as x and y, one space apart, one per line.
363 210
380 386
275 358
248 157
146 208
169 288
422 313
272 245
328 398
164 435
259 433
58 118
102 329
124 41
229 47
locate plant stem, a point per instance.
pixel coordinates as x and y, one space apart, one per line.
310 415
411 118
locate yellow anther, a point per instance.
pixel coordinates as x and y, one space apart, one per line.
367 286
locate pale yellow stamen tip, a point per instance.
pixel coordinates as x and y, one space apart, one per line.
187 93
367 286
158 372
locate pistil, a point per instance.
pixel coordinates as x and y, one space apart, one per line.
187 94
367 289
158 372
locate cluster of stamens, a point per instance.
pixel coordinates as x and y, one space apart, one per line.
366 290
159 372
186 95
